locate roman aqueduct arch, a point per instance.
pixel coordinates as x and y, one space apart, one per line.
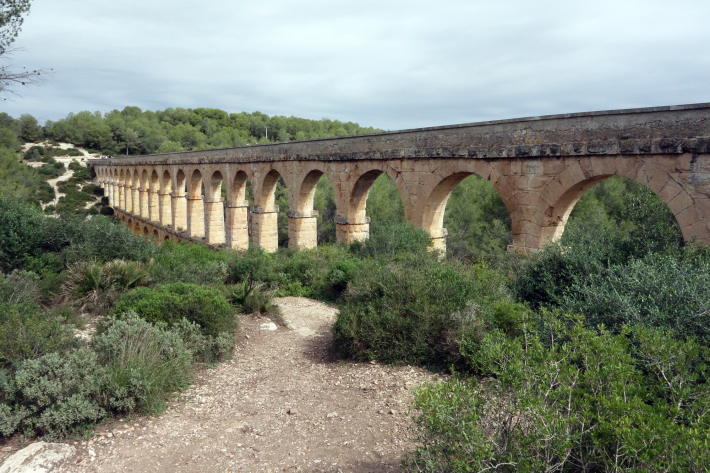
539 166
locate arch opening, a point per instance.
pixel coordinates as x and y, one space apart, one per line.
466 217
166 183
313 221
382 202
614 209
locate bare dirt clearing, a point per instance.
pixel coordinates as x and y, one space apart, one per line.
283 404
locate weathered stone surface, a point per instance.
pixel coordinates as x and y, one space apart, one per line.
540 167
39 457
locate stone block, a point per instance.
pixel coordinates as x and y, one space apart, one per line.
680 202
669 191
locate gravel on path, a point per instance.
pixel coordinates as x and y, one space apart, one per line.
284 403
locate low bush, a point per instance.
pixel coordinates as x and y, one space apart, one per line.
19 287
145 362
321 273
575 400
104 239
133 366
51 171
663 291
393 238
26 332
34 153
23 230
46 193
189 263
96 286
81 173
413 311
170 303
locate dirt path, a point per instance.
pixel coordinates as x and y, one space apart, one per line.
55 183
283 404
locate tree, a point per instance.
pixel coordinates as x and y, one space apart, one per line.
30 129
11 18
131 140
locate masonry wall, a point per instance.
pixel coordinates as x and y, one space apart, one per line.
539 166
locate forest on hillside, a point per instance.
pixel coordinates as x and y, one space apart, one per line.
133 131
589 355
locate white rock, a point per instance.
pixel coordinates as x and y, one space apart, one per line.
269 326
305 331
40 457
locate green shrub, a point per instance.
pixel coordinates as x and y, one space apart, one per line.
664 291
643 226
104 239
98 285
579 400
19 287
26 332
412 311
204 347
22 232
392 238
189 263
46 193
51 171
34 153
170 303
320 273
54 395
144 363
133 366
81 173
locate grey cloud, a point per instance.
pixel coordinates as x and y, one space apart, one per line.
394 64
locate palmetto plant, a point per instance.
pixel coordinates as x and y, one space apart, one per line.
90 282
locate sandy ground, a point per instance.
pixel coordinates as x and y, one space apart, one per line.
283 404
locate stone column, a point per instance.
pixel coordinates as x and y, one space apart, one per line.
237 225
349 230
165 214
116 196
195 216
130 198
266 231
108 192
438 240
153 205
121 204
214 222
136 201
179 212
143 197
302 229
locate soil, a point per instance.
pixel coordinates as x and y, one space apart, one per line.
284 403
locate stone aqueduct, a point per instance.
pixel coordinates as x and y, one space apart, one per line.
539 166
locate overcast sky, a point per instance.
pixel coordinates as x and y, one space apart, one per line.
391 64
